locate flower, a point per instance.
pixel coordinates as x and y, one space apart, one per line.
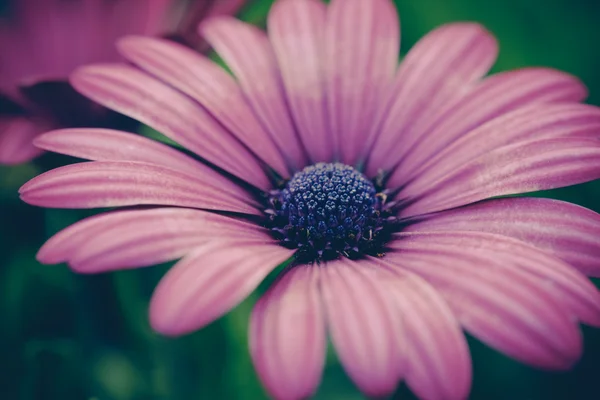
47 39
379 183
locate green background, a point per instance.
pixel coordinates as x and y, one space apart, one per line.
66 336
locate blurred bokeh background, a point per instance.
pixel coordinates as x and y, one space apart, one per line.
67 336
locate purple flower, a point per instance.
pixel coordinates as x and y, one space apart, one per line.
377 182
45 40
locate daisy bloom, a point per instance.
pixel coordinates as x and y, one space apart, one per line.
378 184
43 41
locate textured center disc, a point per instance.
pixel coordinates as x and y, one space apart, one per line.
327 210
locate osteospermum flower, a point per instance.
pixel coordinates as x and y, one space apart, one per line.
374 180
43 41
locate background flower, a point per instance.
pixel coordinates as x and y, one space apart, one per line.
233 363
42 41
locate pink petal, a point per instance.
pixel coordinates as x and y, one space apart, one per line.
488 282
136 94
287 335
364 326
564 282
537 121
248 53
209 282
115 184
226 7
110 145
136 238
441 67
208 84
568 231
16 137
490 99
362 41
519 168
296 30
439 365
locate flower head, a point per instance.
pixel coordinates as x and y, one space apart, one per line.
378 182
43 41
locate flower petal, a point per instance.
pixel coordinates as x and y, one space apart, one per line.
115 184
136 94
517 168
287 334
566 230
364 326
208 84
136 238
210 281
488 282
441 67
248 52
490 99
439 364
296 30
537 121
111 145
362 41
16 140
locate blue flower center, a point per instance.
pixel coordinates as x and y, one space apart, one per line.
327 210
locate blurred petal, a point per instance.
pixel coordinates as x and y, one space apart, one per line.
538 121
566 230
439 364
441 67
111 184
136 238
488 282
490 99
362 41
136 94
210 281
364 326
287 334
111 145
16 140
517 168
208 84
248 52
296 30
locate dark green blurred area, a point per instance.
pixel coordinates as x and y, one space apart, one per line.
68 336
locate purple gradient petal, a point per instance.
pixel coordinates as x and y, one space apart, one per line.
210 281
490 99
439 364
138 238
364 326
487 280
362 41
248 52
112 184
296 29
210 85
566 230
136 94
517 168
16 135
564 282
111 145
440 68
538 121
287 335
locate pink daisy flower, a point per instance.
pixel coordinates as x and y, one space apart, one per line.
43 41
378 184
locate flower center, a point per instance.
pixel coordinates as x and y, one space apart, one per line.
327 210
